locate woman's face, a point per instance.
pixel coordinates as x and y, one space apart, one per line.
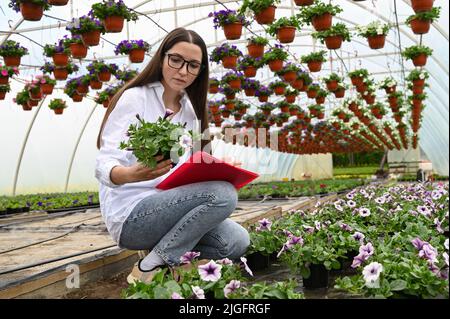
179 79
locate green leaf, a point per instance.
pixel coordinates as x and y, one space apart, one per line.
398 285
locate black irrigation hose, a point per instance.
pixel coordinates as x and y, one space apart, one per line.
48 261
39 218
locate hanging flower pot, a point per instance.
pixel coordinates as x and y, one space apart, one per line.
32 103
61 74
77 97
419 26
376 41
357 81
304 2
339 93
420 60
104 76
276 65
290 76
95 84
58 2
230 96
31 11
137 55
230 106
233 31
334 42
12 60
255 50
59 111
229 62
320 100
298 84
263 98
311 93
82 89
266 16
250 92
391 89
370 99
279 90
321 115
422 5
47 89
60 59
78 50
114 24
235 84
322 22
91 38
4 80
315 66
2 95
286 34
361 88
250 71
291 98
213 89
332 85
417 89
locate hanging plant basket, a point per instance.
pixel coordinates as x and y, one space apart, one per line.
96 84
417 89
229 62
263 98
332 85
26 107
137 55
312 94
32 103
82 89
2 95
334 42
420 60
315 66
230 96
361 88
213 89
279 90
370 99
60 74
47 89
291 98
322 22
286 34
266 16
250 92
297 84
304 2
104 76
12 60
59 111
255 50
420 26
290 76
339 93
357 81
320 100
4 80
60 59
419 82
58 2
233 31
31 11
77 97
78 50
235 84
377 41
250 72
114 24
422 5
276 65
91 38
391 89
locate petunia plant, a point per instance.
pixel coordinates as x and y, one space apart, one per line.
224 50
12 48
225 17
373 29
126 46
109 8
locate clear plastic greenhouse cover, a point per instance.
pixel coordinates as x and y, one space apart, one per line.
44 152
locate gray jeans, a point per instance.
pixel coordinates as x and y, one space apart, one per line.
191 217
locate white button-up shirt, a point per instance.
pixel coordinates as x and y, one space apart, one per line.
117 201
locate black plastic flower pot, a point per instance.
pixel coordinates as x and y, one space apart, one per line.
318 277
257 261
13 210
273 257
25 209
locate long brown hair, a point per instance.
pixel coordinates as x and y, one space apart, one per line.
197 91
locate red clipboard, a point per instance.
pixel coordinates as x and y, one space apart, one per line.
202 167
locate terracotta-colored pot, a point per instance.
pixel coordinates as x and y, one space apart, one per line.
60 59
82 89
114 24
322 22
33 103
104 76
59 111
357 81
12 60
377 41
77 98
26 107
255 50
58 2
250 92
391 89
137 55
235 84
422 5
286 34
333 42
250 72
420 26
370 99
311 94
47 89
78 50
298 84
31 11
4 80
332 85
91 38
315 66
229 62
60 74
263 98
420 60
290 76
290 98
233 31
417 89
96 84
279 90
419 82
276 65
320 100
230 97
339 93
266 16
2 95
304 2
213 89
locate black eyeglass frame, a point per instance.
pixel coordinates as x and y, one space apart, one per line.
169 55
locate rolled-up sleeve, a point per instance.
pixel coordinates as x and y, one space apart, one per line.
114 132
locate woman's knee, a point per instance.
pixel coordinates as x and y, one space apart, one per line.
238 243
224 194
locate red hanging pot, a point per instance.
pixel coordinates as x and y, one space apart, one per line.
333 42
311 94
60 59
114 24
82 89
286 34
12 60
420 26
266 16
91 38
229 62
419 82
417 89
230 97
279 90
59 111
357 81
233 31
47 89
276 65
250 92
291 98
250 72
263 98
297 84
304 2
77 97
377 41
78 50
2 95
420 60
58 2
322 22
213 89
60 74
332 85
422 5
290 76
235 84
136 55
339 93
104 76
96 84
4 80
255 50
26 107
320 100
315 66
31 11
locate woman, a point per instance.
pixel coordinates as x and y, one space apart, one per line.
169 223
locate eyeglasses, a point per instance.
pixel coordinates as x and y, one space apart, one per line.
177 62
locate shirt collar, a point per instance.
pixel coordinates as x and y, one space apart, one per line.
160 90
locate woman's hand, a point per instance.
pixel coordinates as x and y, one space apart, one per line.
139 172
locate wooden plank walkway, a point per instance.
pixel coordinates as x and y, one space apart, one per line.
44 245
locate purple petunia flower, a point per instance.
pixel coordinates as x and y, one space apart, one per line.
198 292
359 259
231 287
210 271
189 257
264 224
